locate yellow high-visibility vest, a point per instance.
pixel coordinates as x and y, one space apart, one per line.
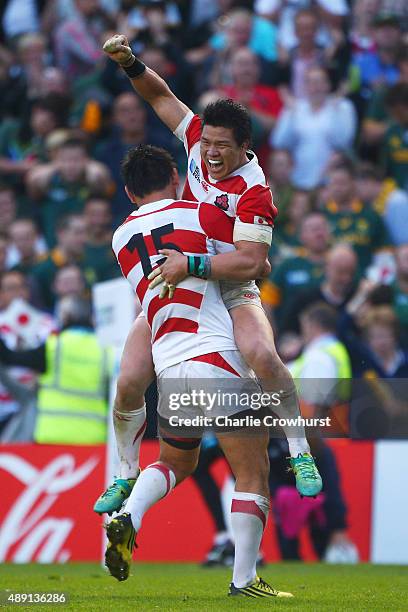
72 397
338 352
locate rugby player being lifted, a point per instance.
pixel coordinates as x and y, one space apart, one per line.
223 172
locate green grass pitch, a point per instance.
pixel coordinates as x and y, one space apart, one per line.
187 587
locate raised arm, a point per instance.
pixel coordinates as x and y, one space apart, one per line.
147 83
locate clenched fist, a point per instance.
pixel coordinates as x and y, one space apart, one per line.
119 50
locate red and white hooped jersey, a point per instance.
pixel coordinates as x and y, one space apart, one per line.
243 194
195 321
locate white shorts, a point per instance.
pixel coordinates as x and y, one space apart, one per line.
212 385
238 294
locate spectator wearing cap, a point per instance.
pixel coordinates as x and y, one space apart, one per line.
313 128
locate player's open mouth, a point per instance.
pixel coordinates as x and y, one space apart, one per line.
215 164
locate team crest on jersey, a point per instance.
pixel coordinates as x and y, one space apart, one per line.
195 170
222 201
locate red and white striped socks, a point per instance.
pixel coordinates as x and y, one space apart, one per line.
154 482
249 513
129 429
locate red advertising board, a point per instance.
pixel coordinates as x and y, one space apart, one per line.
46 502
48 493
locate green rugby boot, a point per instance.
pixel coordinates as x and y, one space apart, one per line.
308 480
121 542
258 589
114 496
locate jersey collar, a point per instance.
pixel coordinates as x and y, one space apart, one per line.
151 207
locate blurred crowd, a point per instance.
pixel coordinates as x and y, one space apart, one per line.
326 85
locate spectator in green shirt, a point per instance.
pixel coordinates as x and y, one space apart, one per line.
98 248
297 273
26 245
377 116
280 169
69 281
395 147
70 248
62 186
386 198
352 220
287 233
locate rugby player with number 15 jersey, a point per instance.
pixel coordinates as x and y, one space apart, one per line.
192 341
223 172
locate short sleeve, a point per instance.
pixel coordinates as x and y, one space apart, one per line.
215 223
189 130
256 205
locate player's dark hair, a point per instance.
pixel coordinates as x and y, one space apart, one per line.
231 115
396 95
146 169
321 313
